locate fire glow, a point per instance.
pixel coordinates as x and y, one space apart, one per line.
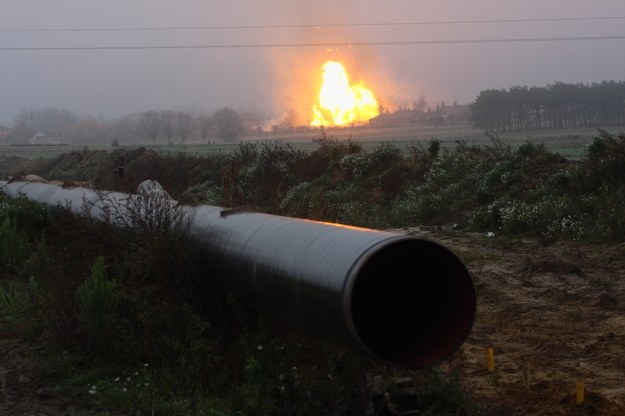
341 103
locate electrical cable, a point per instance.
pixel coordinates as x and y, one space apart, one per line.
304 45
314 26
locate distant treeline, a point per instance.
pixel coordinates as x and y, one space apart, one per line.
555 105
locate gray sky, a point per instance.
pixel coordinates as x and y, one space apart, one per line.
274 81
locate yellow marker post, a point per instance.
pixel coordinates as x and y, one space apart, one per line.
527 376
490 358
579 393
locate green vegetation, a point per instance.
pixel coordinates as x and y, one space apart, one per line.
554 106
522 189
514 188
95 300
129 327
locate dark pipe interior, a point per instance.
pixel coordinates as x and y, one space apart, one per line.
413 303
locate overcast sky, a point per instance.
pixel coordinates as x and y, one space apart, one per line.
275 81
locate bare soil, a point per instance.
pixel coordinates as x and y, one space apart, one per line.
553 313
25 388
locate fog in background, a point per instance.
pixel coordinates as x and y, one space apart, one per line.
278 82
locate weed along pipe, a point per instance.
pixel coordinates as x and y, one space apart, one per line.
402 300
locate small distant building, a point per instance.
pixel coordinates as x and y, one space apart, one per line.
44 138
396 119
456 114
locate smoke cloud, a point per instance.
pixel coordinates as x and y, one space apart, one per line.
281 82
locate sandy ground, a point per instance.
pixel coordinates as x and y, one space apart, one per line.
553 314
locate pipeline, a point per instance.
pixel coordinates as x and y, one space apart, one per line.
402 300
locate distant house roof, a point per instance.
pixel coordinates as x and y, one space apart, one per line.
398 115
394 119
458 109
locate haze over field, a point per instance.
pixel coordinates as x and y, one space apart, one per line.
117 57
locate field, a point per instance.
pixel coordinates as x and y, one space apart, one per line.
552 312
567 142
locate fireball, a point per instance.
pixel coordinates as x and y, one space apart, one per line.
341 103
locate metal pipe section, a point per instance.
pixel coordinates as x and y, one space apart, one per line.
402 300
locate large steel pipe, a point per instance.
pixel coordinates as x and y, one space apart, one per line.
403 300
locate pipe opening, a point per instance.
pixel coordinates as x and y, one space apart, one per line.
413 303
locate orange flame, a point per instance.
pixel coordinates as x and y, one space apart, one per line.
341 103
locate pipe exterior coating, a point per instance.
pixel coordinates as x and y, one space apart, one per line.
402 300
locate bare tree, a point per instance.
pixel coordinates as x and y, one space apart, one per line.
228 124
85 130
421 105
150 123
168 123
49 120
184 122
205 127
21 133
124 127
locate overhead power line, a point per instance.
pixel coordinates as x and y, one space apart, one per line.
311 26
324 45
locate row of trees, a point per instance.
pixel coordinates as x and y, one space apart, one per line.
50 125
169 122
518 108
224 123
53 125
553 106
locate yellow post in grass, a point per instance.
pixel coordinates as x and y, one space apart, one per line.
490 358
579 393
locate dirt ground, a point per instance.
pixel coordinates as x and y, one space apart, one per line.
554 315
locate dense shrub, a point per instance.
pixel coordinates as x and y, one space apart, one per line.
446 192
517 190
158 340
263 177
96 299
